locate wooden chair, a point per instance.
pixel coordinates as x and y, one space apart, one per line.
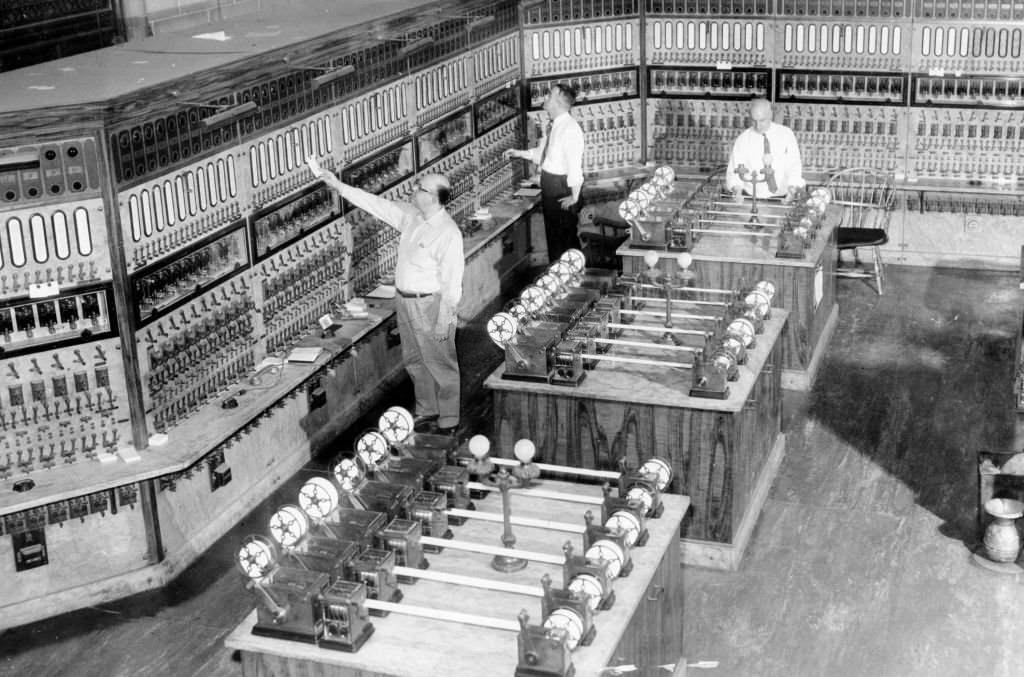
867 197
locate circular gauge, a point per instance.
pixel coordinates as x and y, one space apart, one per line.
724 360
665 173
629 210
318 498
502 328
610 553
642 496
372 448
396 424
759 303
568 620
561 269
575 258
742 328
661 470
766 288
288 525
256 557
548 282
649 191
347 474
589 584
533 298
642 200
517 311
627 523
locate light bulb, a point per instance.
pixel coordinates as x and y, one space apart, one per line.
685 260
479 445
524 450
651 259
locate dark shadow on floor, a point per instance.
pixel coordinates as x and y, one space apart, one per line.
930 387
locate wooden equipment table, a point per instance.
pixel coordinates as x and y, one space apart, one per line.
643 627
805 287
724 453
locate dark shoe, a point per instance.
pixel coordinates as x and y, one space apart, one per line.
448 432
424 424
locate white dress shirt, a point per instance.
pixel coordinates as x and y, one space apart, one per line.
748 150
565 156
430 254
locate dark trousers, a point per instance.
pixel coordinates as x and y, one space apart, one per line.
559 224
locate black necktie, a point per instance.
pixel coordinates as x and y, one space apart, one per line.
547 141
769 173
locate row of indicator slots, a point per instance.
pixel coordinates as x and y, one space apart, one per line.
300 319
690 58
178 236
442 108
288 220
282 290
178 347
50 319
77 273
582 63
206 380
290 182
376 141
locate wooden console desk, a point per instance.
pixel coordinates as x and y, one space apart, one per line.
643 627
805 287
724 453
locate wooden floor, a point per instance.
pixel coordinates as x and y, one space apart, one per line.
859 566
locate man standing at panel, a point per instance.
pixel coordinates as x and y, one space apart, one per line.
768 151
560 158
428 283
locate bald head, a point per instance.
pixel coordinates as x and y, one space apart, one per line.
437 185
760 115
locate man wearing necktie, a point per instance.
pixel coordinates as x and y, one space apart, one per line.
767 150
560 158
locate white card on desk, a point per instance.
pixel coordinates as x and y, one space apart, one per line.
527 192
305 354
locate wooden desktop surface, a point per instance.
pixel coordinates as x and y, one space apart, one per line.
408 646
